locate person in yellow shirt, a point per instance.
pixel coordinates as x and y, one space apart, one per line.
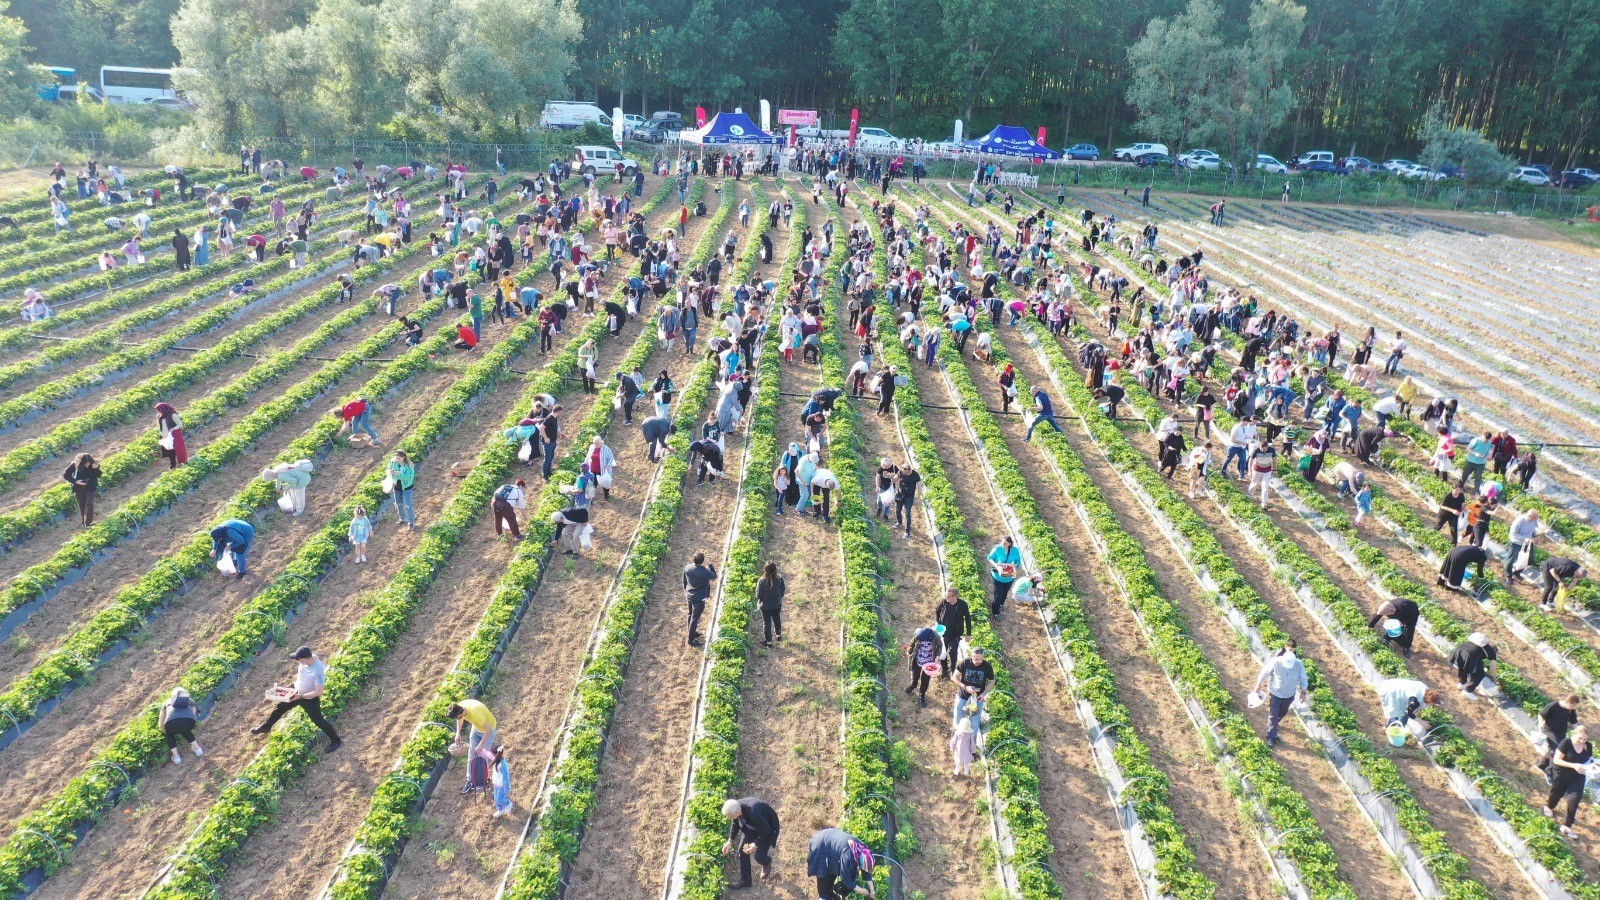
1406 393
388 241
483 728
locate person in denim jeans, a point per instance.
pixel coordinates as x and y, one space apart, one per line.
357 416
405 476
1240 437
483 729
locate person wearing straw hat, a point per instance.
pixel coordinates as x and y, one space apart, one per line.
310 681
753 831
1284 678
1473 659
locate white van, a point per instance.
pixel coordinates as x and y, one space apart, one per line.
598 160
572 114
1313 156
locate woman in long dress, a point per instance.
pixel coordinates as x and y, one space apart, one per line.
171 434
202 245
180 248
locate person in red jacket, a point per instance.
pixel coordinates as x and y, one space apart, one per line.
357 416
1502 450
683 221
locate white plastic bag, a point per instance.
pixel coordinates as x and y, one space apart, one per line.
605 480
887 497
388 484
167 441
586 537
286 502
1525 557
525 452
225 563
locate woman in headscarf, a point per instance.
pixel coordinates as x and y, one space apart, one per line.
180 249
171 441
84 476
202 245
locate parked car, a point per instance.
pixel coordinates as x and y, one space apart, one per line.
1324 167
1578 178
1358 164
596 160
670 120
1144 160
1541 167
631 123
1133 151
1421 173
653 133
1312 156
1082 151
1453 171
1270 165
1396 166
1529 175
171 103
877 139
1202 159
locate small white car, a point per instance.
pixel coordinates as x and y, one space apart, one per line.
592 160
1529 175
877 139
1270 165
1201 159
631 121
1134 151
1397 165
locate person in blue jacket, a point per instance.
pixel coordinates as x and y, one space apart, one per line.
234 536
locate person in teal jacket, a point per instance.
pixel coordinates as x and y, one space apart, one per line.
475 309
404 475
1005 562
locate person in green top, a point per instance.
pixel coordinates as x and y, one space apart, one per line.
1477 458
298 247
1005 561
475 309
404 477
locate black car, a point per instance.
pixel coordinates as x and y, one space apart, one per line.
1573 178
1153 159
653 133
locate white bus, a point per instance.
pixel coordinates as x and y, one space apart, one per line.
121 84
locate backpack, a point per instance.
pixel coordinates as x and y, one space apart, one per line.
477 773
503 492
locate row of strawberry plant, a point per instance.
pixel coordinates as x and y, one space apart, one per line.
1558 520
105 339
1566 650
1175 857
88 243
122 278
36 207
53 266
80 653
554 835
249 801
1446 867
136 401
1454 749
712 774
36 584
389 820
1011 754
42 838
21 522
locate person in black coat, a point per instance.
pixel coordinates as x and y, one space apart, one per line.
753 832
628 392
769 597
1368 442
1457 561
956 617
841 865
1406 612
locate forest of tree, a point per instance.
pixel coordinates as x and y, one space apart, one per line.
1274 74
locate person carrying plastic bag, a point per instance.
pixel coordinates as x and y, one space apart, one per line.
292 480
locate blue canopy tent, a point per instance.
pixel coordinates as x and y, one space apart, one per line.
730 128
1009 140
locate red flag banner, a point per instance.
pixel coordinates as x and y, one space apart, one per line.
1041 137
855 122
699 117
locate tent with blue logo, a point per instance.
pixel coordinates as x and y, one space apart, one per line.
1009 140
730 128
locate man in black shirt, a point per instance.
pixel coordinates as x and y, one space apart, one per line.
1111 395
753 831
956 617
697 579
1450 512
975 675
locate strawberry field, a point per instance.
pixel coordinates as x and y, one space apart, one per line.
1119 753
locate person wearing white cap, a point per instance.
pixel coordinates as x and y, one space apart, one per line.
1474 658
1284 678
311 679
752 831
